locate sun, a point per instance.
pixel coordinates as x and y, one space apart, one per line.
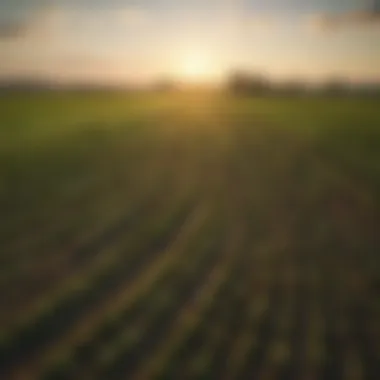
195 67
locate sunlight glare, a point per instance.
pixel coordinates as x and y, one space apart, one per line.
196 67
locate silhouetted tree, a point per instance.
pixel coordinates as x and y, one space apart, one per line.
241 82
336 86
292 88
165 85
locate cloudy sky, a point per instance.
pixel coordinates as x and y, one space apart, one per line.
123 40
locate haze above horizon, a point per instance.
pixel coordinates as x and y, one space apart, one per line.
192 40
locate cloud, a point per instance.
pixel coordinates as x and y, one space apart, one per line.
114 17
334 22
134 16
37 23
47 21
263 21
13 29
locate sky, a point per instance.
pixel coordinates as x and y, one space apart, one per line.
141 40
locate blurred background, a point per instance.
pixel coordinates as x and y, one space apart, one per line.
190 189
134 43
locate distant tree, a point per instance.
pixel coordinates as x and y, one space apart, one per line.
292 88
165 85
241 82
336 86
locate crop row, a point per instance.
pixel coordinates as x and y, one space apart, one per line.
133 331
55 319
64 262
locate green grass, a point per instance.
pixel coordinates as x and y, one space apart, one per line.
190 221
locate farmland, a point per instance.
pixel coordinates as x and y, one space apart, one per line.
189 236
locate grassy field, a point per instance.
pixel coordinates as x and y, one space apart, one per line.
189 236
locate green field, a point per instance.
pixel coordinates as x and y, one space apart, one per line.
189 236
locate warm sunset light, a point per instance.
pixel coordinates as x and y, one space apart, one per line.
190 189
197 66
193 41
